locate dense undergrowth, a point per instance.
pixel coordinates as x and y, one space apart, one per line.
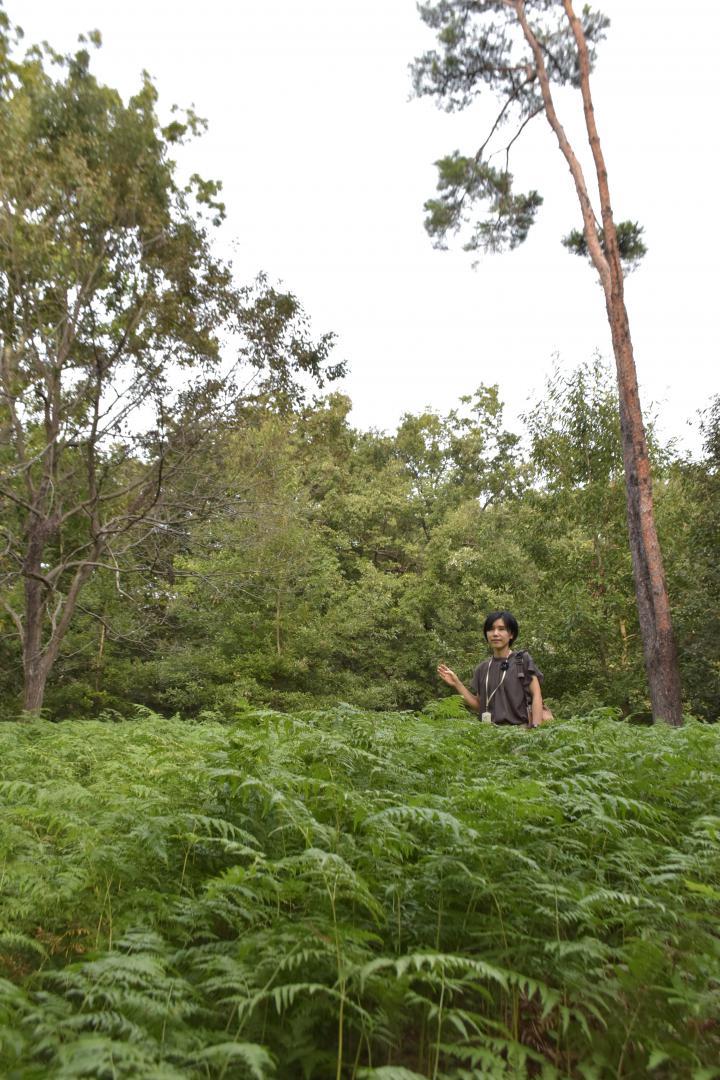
349 895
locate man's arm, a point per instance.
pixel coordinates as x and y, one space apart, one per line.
449 676
536 706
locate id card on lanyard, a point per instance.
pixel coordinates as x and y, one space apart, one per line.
486 717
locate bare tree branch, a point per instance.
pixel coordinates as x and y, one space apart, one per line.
16 618
576 171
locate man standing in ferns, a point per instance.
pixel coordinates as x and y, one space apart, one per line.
505 689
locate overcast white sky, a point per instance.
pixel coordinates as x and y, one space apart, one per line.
326 163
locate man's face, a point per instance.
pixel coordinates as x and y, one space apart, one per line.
498 635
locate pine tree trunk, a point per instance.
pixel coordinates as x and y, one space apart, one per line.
659 649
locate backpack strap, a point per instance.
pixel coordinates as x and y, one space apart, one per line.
523 663
523 670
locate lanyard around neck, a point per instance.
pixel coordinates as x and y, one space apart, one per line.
487 682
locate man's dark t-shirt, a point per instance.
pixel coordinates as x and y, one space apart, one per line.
510 701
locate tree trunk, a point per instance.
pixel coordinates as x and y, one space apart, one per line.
35 670
36 674
40 642
37 662
659 649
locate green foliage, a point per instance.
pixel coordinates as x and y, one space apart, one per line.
463 181
344 565
689 521
312 581
350 894
581 543
631 246
447 708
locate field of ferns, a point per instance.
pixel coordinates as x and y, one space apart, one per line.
338 894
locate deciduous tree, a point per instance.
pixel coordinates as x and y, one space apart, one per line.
113 311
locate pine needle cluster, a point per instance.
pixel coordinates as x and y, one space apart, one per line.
376 896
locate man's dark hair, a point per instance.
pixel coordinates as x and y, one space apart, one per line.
507 617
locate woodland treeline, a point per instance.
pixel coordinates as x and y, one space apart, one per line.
338 564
